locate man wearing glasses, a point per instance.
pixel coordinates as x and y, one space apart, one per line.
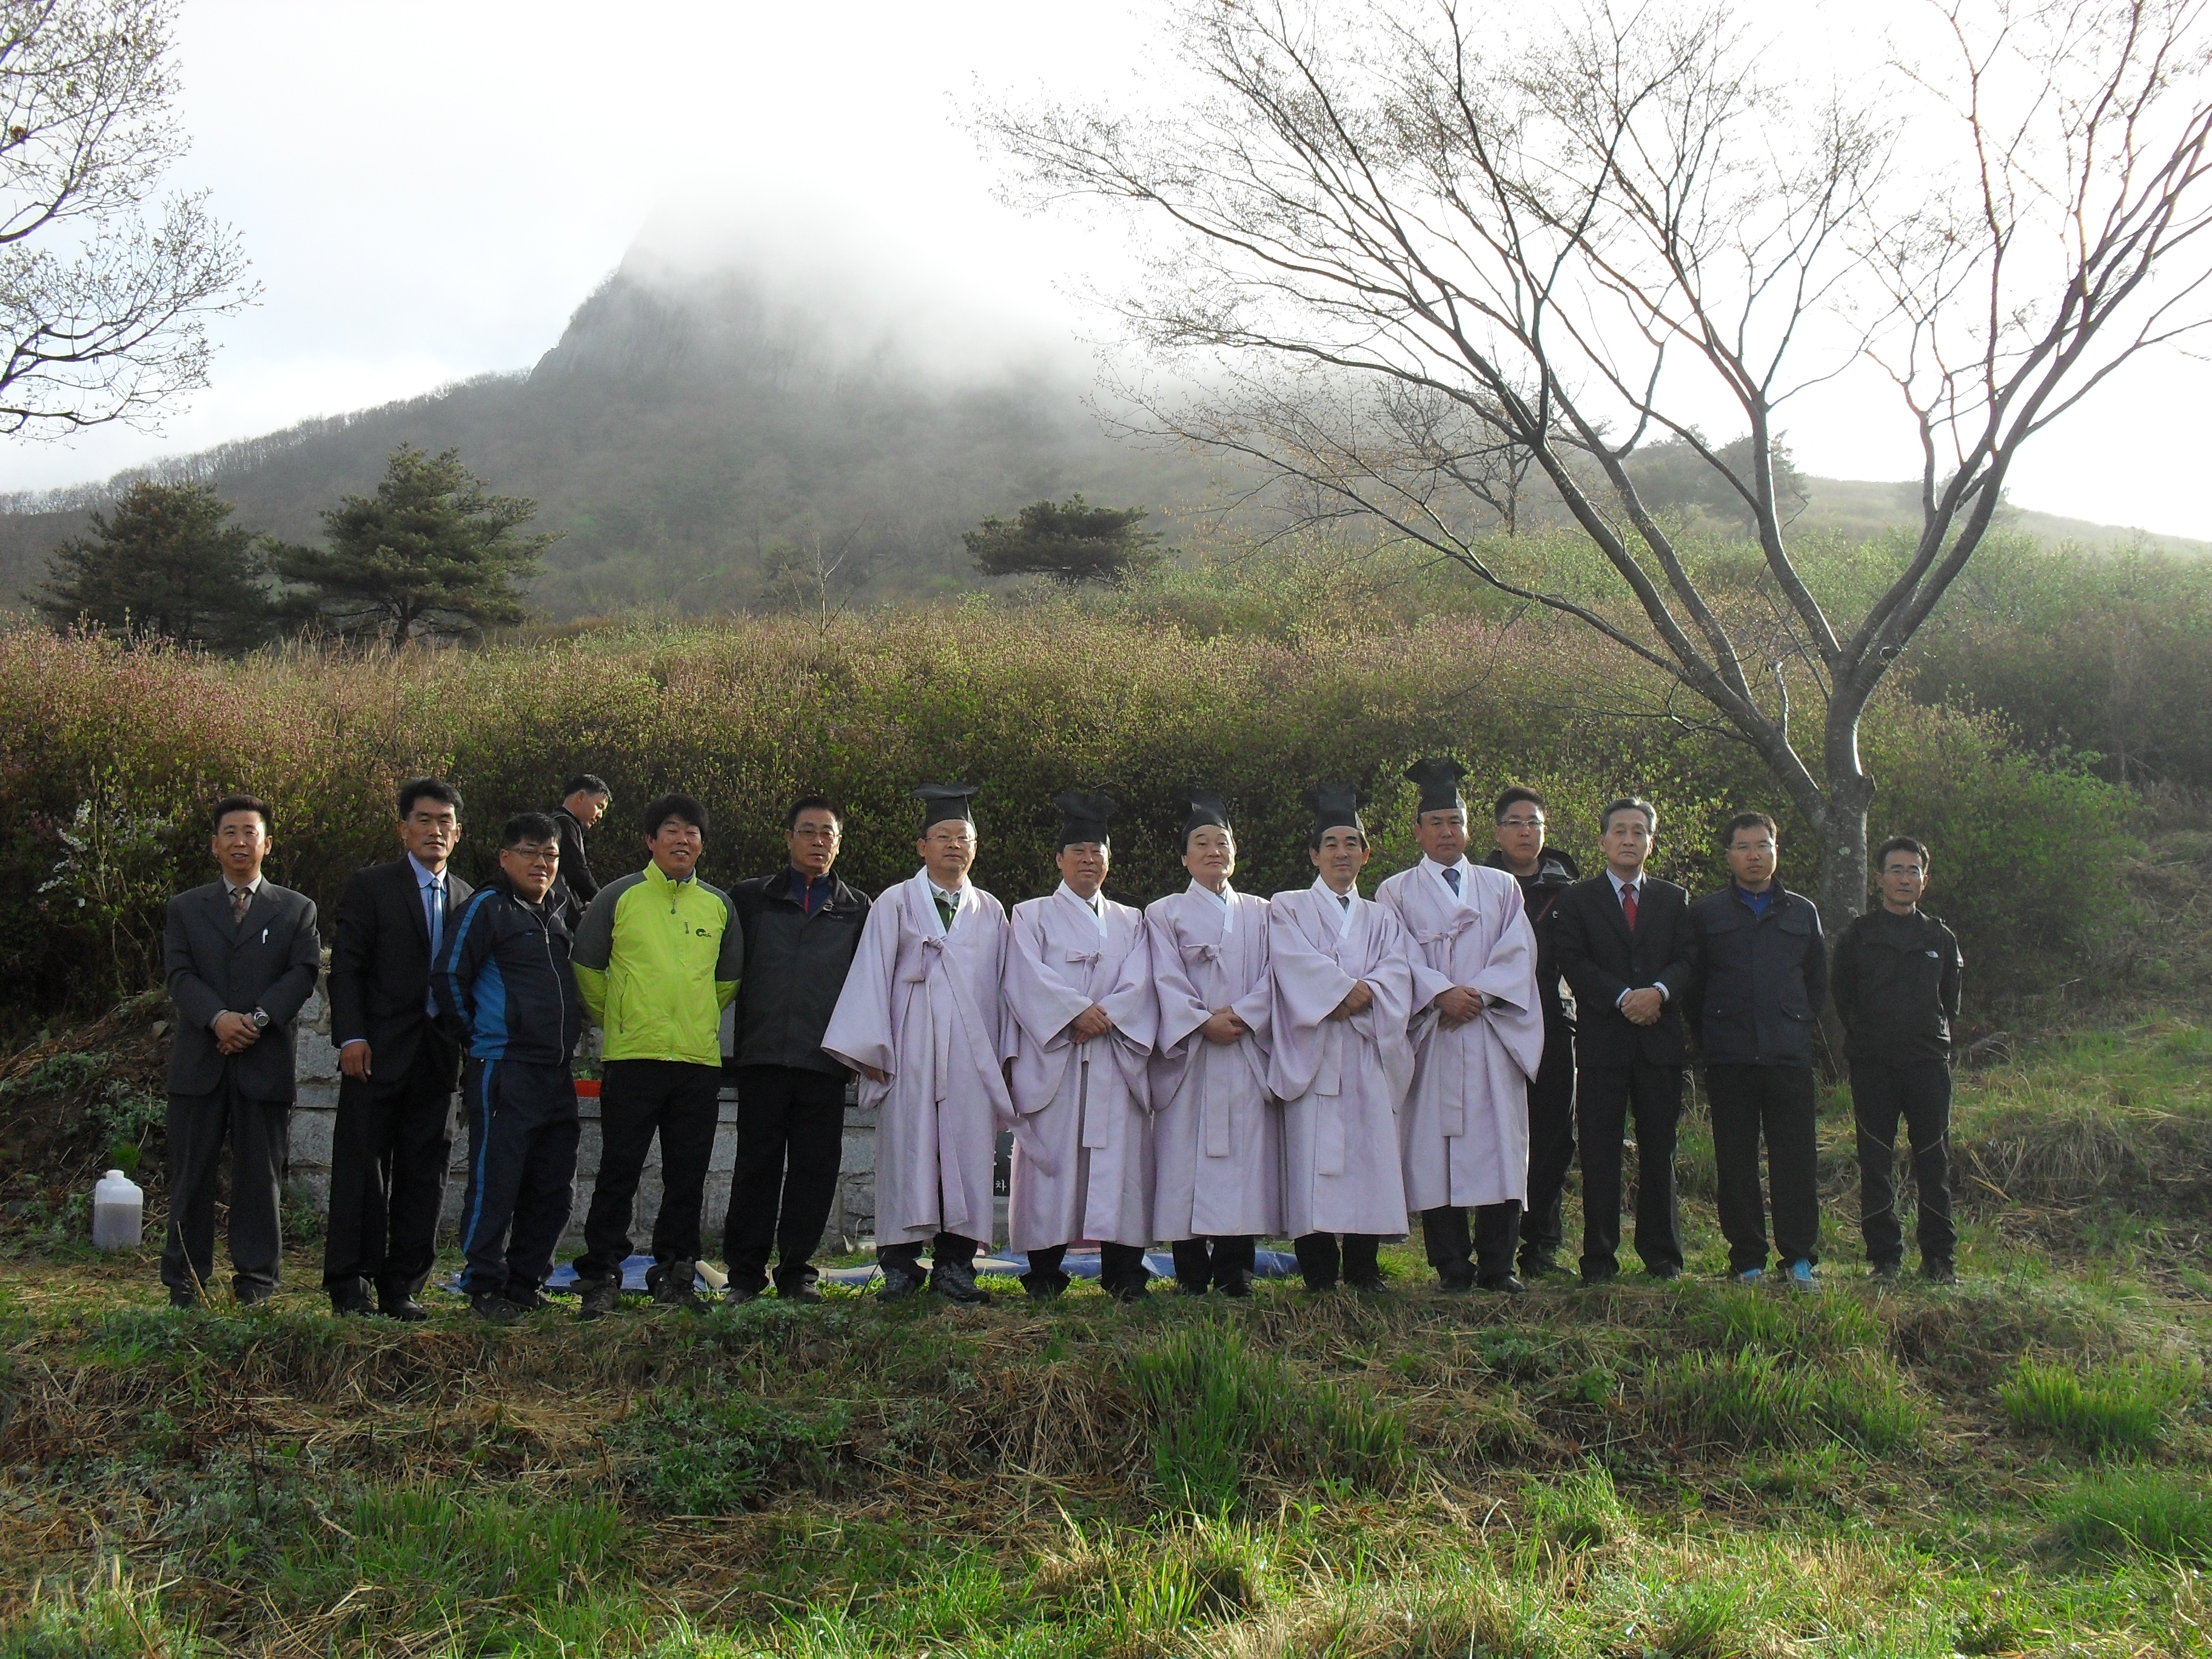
801 927
1545 872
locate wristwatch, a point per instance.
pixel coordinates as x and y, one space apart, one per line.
260 1019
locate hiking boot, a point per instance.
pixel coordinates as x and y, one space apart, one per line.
1939 1272
1542 1264
1800 1276
676 1285
899 1283
599 1297
956 1282
493 1307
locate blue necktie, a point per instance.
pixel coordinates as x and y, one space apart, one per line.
1452 876
433 901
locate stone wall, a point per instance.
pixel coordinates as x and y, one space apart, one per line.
852 1219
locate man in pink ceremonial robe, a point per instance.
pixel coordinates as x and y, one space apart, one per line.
919 1019
1079 1030
1343 976
1477 1038
1217 1135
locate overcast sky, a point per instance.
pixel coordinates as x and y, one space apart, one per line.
426 191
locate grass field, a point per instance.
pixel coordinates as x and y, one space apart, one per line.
2016 1465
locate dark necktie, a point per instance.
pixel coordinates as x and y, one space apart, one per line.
241 901
1344 899
1628 906
1452 876
946 910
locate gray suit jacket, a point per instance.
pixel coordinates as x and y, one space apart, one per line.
216 966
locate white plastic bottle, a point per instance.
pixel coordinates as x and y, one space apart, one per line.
118 1212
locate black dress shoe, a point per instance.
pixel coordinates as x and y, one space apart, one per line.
1235 1282
1664 1273
1508 1284
526 1298
1544 1266
352 1307
183 1299
956 1282
1043 1285
254 1298
1373 1284
407 1310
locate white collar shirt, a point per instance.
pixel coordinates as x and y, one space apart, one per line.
1465 896
1346 904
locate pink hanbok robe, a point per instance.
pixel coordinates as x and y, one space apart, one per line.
1342 1081
1083 1150
1464 1133
1217 1135
923 1006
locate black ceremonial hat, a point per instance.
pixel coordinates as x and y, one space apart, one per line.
1334 805
1202 809
941 801
1438 776
1083 817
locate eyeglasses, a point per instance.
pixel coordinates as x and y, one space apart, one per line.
1520 823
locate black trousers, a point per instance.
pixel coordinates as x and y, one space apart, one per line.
1776 1103
945 1247
1482 1255
1551 1145
638 1099
1318 1259
791 1140
522 1172
390 1147
1120 1267
196 1126
1919 1091
1606 1096
1201 1263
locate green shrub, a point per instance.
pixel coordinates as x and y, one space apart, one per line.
691 1456
1757 1399
1582 1510
1220 1411
109 1618
2166 1512
2124 1406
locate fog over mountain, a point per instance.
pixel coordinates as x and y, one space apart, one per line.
706 440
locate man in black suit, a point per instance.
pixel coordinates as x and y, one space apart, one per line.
583 803
1626 948
241 954
394 1134
802 926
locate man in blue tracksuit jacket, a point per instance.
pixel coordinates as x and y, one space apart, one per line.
505 991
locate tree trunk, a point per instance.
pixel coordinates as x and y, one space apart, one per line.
1843 826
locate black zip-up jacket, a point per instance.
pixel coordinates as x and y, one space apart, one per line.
795 966
1760 979
576 886
504 987
1556 871
1897 987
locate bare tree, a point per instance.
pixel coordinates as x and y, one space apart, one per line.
102 314
1386 228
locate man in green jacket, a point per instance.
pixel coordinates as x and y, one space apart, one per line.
657 959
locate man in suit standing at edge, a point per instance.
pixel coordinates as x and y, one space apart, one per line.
394 1133
1625 945
241 954
583 803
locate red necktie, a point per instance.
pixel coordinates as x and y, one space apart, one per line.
1628 906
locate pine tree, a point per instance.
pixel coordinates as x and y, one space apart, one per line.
431 553
162 562
1073 541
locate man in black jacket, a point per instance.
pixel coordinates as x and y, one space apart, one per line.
1762 974
394 1133
583 803
1545 874
1627 949
241 954
802 926
1897 973
505 990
